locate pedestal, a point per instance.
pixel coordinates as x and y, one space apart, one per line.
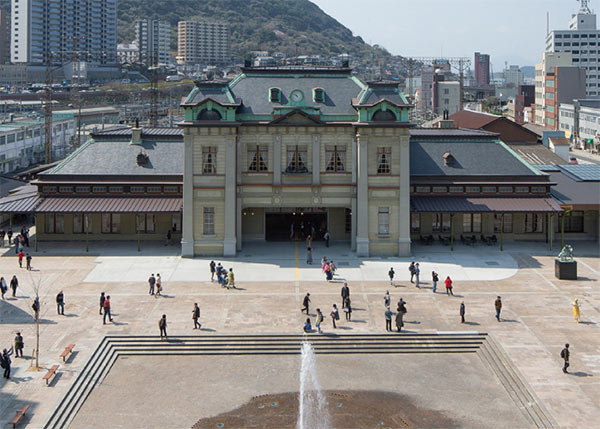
565 270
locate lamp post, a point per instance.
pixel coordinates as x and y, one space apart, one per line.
87 230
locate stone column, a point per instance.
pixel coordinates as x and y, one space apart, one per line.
316 159
277 160
362 198
404 212
187 237
229 242
238 205
353 226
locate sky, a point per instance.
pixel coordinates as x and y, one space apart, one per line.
512 31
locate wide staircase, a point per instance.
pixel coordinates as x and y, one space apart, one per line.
112 347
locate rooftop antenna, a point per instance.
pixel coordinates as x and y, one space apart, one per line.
585 6
547 23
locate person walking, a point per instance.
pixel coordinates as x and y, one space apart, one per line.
305 303
434 279
576 310
169 236
345 293
462 312
2 234
388 319
158 286
60 303
19 345
14 284
348 308
20 256
102 299
309 255
417 274
213 268
151 283
387 299
309 240
106 310
28 258
565 354
5 362
400 315
319 320
162 325
196 316
335 315
498 305
230 279
327 236
3 286
411 270
448 283
36 308
9 235
391 275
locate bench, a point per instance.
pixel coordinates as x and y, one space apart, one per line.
68 350
50 373
19 416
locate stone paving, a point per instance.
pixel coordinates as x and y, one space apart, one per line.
537 318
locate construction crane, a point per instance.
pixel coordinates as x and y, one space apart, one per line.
460 64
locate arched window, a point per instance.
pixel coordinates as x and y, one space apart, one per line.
209 115
384 115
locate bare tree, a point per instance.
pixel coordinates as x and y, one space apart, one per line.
36 284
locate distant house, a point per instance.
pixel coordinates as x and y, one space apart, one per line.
508 130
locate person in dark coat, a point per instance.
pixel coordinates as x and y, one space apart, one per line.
14 284
196 316
60 303
213 269
348 308
462 312
102 298
5 361
565 355
36 308
400 316
345 293
305 303
162 325
498 306
19 345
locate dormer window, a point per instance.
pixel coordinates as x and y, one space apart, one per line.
449 159
275 95
384 116
319 95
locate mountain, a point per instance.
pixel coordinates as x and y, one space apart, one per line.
290 26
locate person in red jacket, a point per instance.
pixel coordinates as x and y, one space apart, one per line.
21 255
448 283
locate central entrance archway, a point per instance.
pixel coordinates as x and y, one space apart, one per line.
295 223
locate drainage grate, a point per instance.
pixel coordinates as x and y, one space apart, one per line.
491 263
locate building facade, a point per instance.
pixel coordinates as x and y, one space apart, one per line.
482 69
153 38
446 97
128 53
582 40
580 121
22 142
563 85
4 37
205 43
56 28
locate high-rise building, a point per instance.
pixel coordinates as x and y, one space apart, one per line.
582 40
482 69
513 76
153 38
4 37
203 43
550 60
55 28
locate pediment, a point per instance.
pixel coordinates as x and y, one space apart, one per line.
296 117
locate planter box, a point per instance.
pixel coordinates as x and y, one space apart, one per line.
565 270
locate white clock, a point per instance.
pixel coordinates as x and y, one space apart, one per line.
297 96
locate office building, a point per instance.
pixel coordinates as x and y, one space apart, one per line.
563 85
445 97
153 38
4 37
438 68
482 69
550 60
513 76
205 43
56 28
582 40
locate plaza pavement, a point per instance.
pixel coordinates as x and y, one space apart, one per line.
272 281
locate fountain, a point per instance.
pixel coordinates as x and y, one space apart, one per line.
312 407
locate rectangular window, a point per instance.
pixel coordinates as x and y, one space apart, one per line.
456 189
336 157
473 189
296 159
20 136
115 189
348 221
415 222
573 222
446 222
489 189
439 189
82 223
507 223
472 222
65 189
534 222
136 189
209 160
99 189
153 189
209 221
37 132
111 223
384 160
257 157
436 222
10 138
384 220
170 189
49 220
82 189
522 189
423 189
538 189
48 189
505 189
2 140
144 222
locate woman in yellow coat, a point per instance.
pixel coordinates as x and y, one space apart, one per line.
576 313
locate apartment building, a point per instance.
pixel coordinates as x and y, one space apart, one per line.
550 60
562 85
153 38
4 37
582 40
55 28
205 43
482 69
